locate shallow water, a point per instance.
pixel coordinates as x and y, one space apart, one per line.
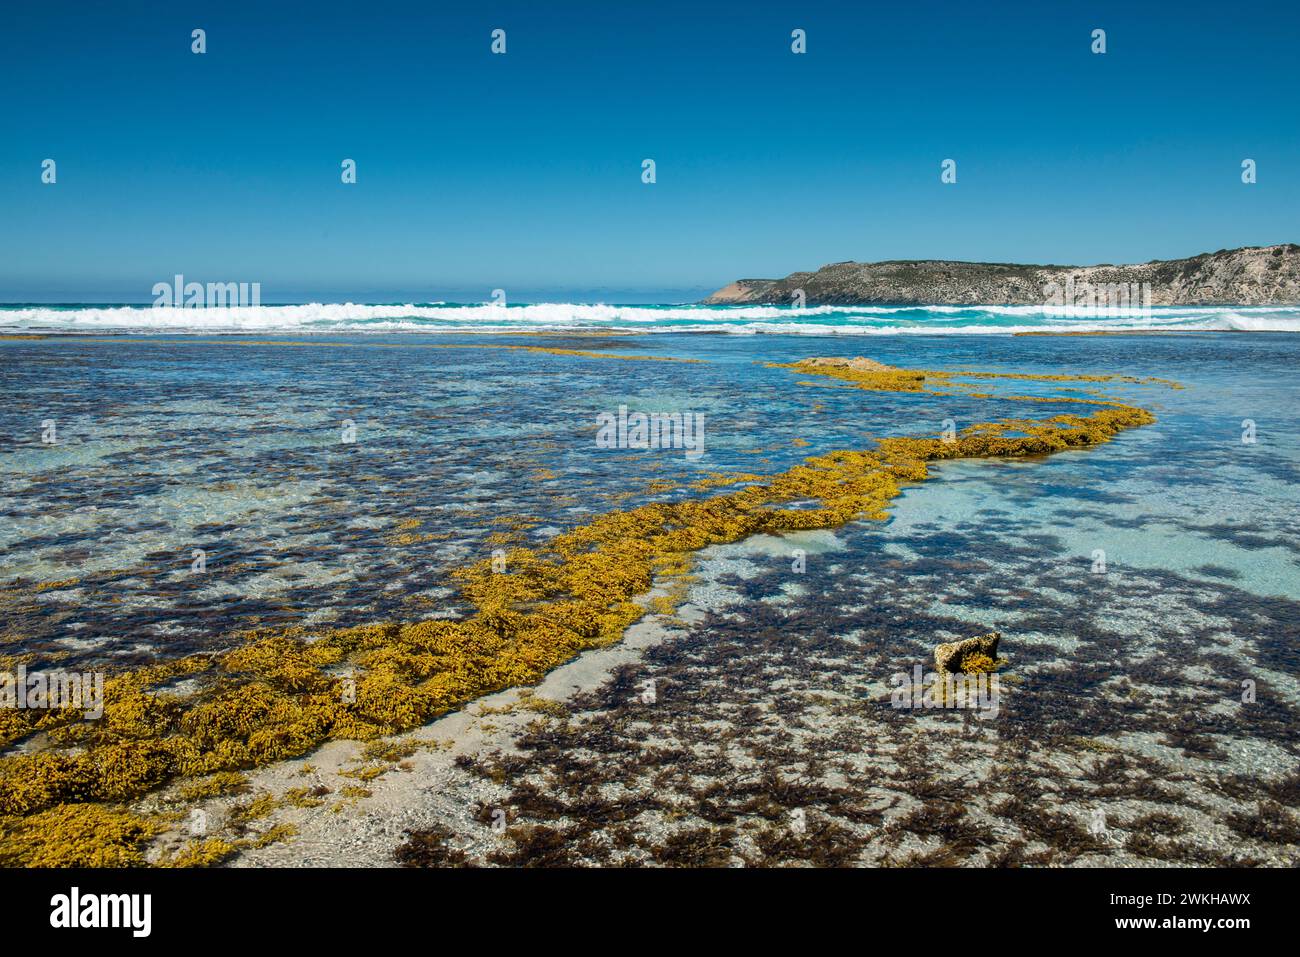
236 447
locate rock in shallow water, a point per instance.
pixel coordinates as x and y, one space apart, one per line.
951 654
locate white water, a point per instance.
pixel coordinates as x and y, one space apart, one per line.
743 320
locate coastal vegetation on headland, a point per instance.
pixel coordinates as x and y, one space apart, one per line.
65 799
1251 275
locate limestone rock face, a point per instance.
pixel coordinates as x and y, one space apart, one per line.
950 655
1251 275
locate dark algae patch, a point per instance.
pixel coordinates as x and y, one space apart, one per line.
773 743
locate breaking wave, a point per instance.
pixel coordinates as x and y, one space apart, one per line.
571 317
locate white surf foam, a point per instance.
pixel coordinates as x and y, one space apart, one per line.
740 320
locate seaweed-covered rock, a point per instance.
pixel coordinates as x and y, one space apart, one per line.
860 364
951 655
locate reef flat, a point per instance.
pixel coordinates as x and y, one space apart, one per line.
567 578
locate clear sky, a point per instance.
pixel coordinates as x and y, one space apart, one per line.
523 171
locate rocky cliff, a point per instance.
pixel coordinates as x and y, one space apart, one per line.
1252 275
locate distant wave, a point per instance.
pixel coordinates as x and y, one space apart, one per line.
571 317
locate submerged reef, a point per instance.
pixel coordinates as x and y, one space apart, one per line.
875 376
284 692
865 373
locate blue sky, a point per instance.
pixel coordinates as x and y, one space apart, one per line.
523 171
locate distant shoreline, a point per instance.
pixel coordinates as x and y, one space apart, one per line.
1248 276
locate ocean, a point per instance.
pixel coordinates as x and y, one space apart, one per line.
439 317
